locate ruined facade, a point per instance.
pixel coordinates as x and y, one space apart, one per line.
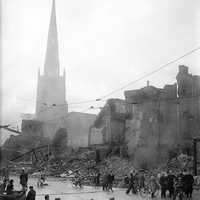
32 128
163 119
110 123
153 121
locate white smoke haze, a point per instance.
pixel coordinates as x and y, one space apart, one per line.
102 45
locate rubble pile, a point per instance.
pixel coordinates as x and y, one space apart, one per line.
118 166
180 162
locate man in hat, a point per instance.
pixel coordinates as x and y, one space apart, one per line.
31 194
23 179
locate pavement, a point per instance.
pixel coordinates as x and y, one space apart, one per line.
63 189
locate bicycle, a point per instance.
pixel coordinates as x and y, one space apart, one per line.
147 191
77 183
179 194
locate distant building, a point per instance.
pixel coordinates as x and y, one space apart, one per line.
51 105
32 128
110 123
78 127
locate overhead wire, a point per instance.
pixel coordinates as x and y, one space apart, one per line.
152 72
134 81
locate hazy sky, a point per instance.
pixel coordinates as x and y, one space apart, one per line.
103 44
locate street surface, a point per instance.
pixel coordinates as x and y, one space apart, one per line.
63 189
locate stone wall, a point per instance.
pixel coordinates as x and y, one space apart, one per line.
95 136
163 119
32 128
111 121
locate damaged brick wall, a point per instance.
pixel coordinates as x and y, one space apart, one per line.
162 119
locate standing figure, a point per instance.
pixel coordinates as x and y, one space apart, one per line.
105 182
170 183
126 180
111 178
141 180
10 187
178 186
188 181
163 184
153 186
97 179
23 179
31 194
3 186
46 197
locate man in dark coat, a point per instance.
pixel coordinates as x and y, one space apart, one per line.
170 183
111 178
46 197
31 194
3 186
105 182
10 187
23 179
188 182
179 186
163 184
126 181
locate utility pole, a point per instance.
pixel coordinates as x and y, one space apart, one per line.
48 160
195 157
195 141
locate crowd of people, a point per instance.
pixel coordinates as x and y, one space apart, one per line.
7 187
107 182
166 184
169 184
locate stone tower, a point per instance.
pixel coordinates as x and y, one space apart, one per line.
51 102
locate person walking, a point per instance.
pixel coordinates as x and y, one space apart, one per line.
31 194
131 184
23 179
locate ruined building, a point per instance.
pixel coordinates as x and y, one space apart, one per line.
109 126
157 120
163 119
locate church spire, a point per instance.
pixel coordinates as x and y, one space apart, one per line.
51 66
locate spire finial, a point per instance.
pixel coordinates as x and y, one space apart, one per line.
51 66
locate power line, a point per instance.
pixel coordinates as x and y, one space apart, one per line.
152 72
138 79
69 103
66 116
132 82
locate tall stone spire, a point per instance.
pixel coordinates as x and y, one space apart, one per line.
51 65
